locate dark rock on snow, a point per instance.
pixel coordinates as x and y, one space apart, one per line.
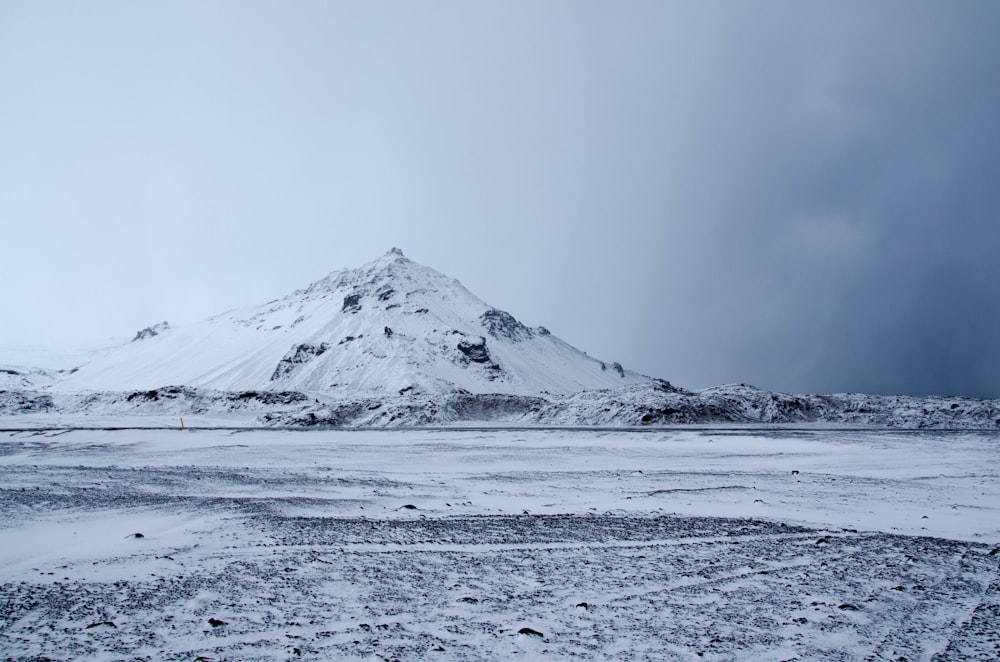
352 303
151 331
501 324
475 351
296 356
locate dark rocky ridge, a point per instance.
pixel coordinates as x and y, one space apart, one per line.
151 331
352 303
296 356
501 324
633 406
474 351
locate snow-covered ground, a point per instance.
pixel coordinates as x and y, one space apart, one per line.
711 543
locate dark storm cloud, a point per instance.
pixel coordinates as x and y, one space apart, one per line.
857 252
797 195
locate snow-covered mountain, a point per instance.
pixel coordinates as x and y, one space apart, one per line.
394 343
390 327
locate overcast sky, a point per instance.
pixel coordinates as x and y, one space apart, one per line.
802 196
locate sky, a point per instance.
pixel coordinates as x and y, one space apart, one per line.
799 196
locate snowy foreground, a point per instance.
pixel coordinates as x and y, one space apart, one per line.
739 543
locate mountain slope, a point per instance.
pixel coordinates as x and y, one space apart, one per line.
392 326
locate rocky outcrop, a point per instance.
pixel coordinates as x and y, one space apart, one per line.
296 356
474 351
151 331
352 303
24 402
503 325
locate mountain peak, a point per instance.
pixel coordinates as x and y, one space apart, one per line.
390 326
392 256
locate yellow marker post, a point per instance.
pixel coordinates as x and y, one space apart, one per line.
182 422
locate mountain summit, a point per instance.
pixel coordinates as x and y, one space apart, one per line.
392 326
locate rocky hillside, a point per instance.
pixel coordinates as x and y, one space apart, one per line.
656 403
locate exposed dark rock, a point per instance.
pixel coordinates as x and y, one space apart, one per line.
347 339
421 311
151 331
108 624
144 395
6 371
384 293
272 397
617 367
501 324
215 622
135 535
542 331
530 632
308 419
475 351
296 356
352 303
24 402
493 406
388 332
165 393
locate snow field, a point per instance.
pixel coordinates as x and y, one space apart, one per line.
445 544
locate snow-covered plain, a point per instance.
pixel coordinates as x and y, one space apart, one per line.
711 543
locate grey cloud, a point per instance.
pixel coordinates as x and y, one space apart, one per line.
800 196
